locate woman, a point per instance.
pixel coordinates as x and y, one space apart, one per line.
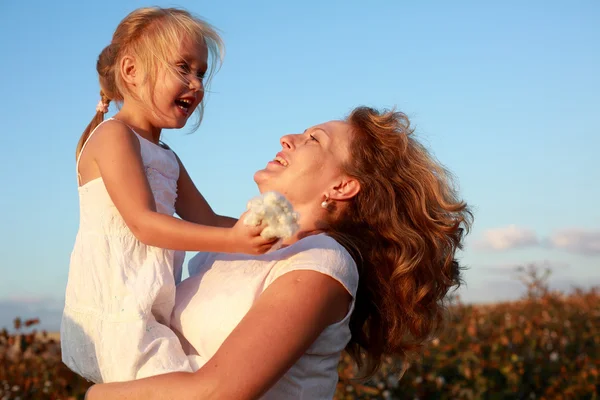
368 270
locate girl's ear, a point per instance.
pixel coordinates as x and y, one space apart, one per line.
128 70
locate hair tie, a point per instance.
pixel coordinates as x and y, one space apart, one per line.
102 107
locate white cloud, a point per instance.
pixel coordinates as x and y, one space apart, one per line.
575 240
506 238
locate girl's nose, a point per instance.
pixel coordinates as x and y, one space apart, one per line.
195 83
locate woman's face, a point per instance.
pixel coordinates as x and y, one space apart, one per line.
309 164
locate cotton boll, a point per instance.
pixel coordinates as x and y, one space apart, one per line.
272 198
276 212
253 218
257 212
285 219
269 233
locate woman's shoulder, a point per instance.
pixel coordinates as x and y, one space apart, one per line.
324 254
322 244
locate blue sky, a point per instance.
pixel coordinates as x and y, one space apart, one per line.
506 94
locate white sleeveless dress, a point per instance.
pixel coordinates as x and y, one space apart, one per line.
121 292
222 287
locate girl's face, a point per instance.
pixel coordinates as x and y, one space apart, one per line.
179 88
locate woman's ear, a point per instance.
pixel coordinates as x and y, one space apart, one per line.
346 189
128 70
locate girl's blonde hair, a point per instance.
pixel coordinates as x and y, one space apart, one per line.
403 229
151 35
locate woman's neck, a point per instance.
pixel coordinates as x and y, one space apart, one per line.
310 222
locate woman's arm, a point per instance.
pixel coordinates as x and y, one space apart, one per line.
193 207
285 320
116 152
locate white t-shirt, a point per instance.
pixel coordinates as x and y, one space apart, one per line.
222 288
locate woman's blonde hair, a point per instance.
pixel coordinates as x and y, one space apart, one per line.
403 229
152 36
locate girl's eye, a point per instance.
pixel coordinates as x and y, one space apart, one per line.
313 138
201 75
183 68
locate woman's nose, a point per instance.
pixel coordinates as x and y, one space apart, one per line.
287 141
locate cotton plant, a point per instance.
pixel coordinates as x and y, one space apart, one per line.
276 212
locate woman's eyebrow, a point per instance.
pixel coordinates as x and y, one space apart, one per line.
324 131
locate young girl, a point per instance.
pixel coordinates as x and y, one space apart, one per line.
128 252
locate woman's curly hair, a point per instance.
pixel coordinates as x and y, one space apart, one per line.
403 229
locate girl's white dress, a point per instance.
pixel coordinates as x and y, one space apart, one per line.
120 292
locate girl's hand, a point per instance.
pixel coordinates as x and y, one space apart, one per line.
247 239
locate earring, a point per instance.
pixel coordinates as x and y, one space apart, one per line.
324 204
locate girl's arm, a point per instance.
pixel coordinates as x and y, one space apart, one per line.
193 207
116 152
282 324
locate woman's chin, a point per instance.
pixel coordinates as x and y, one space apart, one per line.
261 178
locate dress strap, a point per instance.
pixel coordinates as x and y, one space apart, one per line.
88 139
140 138
83 148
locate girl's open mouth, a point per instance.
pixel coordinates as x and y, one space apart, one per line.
184 104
